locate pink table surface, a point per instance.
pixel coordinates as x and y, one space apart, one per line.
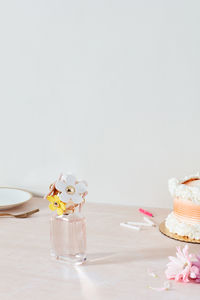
118 258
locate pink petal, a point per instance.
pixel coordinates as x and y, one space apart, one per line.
186 274
185 250
165 287
194 272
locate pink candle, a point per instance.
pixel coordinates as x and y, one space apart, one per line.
145 212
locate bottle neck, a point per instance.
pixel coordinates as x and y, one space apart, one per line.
78 210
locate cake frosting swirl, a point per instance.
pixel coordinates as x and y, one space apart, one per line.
178 188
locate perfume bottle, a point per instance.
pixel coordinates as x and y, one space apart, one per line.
68 227
68 237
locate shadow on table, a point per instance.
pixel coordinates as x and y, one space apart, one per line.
128 256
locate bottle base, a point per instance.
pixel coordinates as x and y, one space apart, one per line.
77 259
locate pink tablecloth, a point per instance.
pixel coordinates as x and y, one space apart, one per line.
118 258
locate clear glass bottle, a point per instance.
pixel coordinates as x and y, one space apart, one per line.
68 237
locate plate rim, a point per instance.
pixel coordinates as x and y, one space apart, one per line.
16 204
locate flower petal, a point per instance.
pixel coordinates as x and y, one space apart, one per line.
60 186
166 286
70 180
62 205
59 211
52 207
64 197
180 267
50 199
81 188
194 272
76 198
57 199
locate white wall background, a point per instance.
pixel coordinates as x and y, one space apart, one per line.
109 90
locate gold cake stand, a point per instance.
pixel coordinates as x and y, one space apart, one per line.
163 229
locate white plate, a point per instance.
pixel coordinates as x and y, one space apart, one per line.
11 197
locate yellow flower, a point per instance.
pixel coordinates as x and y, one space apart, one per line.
56 204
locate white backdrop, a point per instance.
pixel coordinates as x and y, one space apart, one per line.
108 90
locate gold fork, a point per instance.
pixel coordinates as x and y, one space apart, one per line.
23 215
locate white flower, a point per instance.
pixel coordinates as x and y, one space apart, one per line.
71 189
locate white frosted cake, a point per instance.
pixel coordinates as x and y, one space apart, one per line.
185 218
